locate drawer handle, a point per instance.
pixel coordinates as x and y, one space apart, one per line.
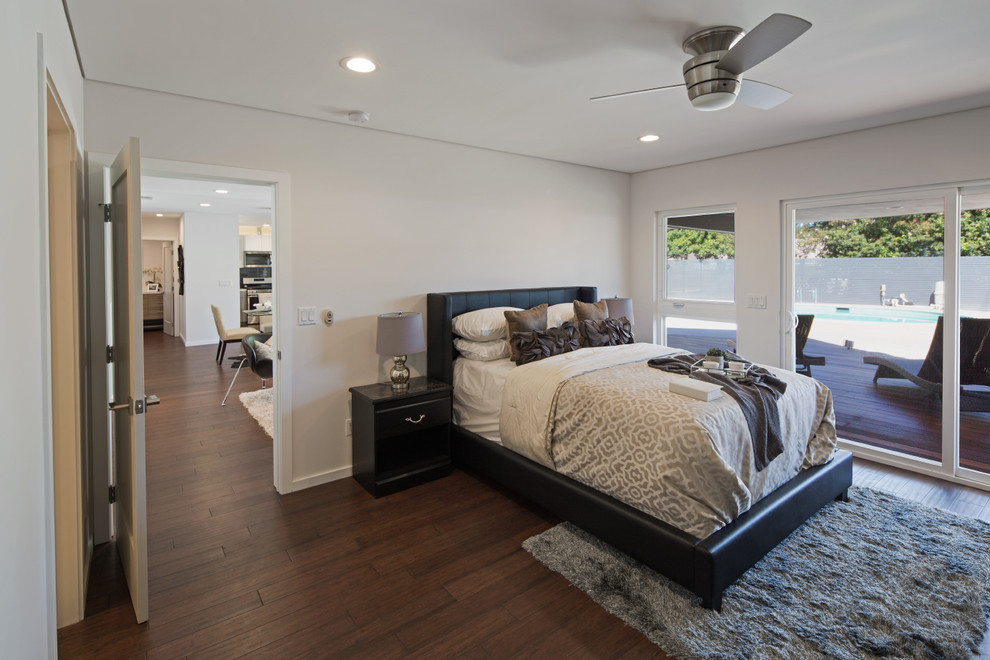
416 421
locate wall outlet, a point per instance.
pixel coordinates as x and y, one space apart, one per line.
347 428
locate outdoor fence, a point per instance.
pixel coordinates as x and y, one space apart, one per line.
847 281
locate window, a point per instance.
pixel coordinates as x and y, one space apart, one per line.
697 278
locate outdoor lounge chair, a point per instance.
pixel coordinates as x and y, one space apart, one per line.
974 365
803 362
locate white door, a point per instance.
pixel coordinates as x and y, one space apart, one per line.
168 303
130 509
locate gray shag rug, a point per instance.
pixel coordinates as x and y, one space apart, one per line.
877 576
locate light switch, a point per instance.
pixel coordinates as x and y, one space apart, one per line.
307 316
757 302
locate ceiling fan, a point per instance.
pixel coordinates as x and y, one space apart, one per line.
720 55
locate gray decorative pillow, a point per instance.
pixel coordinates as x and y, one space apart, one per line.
539 344
526 320
594 311
606 332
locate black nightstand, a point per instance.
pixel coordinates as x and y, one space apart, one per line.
400 439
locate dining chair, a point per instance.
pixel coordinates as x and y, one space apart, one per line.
231 336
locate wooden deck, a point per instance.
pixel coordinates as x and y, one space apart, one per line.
893 414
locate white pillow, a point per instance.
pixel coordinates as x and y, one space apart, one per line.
558 315
486 351
482 324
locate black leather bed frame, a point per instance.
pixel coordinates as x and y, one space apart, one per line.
704 566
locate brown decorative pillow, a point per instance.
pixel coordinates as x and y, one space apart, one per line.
537 345
526 320
590 311
607 332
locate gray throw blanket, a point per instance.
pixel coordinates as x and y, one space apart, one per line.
756 394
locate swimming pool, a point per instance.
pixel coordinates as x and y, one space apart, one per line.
900 314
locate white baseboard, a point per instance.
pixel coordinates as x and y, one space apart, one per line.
202 342
318 479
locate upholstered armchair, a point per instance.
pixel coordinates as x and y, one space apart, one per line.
259 357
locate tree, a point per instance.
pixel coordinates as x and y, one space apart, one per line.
918 235
683 243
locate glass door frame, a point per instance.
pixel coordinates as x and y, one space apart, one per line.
949 467
700 310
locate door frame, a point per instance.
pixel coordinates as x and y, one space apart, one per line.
71 438
282 287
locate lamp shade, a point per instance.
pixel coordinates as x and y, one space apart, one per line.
400 333
619 307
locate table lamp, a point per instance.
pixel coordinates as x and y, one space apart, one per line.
619 307
399 334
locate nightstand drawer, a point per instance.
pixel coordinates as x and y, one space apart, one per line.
414 417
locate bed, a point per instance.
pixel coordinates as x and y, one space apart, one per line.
704 565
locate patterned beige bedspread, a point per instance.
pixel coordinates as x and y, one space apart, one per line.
604 418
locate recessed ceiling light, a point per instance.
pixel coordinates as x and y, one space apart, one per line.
358 64
159 215
204 204
220 191
266 225
649 138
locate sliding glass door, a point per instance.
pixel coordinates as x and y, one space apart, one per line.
886 292
974 331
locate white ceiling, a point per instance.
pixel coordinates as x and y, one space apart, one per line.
516 75
252 204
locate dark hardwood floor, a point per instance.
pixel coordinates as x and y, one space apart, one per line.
237 570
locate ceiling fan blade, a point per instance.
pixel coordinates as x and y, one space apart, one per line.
761 95
637 91
763 41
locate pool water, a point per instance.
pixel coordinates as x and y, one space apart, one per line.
868 315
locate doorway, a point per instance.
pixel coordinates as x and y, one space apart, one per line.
278 183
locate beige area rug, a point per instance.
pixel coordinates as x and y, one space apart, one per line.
261 406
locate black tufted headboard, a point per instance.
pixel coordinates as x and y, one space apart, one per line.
442 307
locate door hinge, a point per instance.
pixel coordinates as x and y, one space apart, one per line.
113 494
106 212
109 354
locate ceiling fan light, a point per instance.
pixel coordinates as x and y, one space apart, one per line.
713 101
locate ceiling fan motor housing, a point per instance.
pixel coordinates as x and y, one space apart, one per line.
708 87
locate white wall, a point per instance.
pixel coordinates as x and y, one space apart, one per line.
27 614
378 221
212 258
942 149
151 257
